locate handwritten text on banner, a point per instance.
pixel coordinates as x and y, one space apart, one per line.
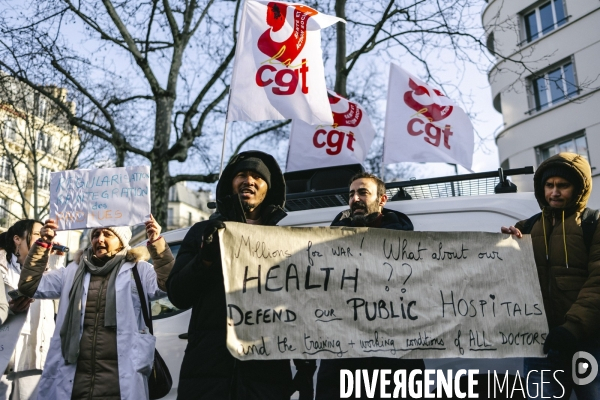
87 198
361 292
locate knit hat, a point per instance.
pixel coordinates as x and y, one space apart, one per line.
122 232
561 171
256 165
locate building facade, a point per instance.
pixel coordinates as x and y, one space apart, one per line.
546 81
186 206
35 140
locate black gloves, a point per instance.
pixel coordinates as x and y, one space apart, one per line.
561 342
210 240
303 380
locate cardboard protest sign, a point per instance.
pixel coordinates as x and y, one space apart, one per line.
363 292
423 125
9 335
346 141
278 71
87 198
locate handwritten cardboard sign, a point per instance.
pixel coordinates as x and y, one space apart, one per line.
9 335
363 292
87 198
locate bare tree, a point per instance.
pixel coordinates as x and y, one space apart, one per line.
151 77
35 140
136 70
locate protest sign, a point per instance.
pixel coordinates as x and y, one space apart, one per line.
363 292
9 335
347 141
87 198
278 71
423 125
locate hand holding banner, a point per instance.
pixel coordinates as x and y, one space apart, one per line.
423 125
347 141
364 292
87 198
278 71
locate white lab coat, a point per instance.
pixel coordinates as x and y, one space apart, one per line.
30 351
135 344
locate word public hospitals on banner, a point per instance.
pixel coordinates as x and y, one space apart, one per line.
423 125
278 71
364 292
347 141
87 198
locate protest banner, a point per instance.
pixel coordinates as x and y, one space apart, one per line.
278 71
423 125
346 141
9 335
363 292
87 198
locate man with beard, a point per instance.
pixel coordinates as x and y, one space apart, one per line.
251 190
367 198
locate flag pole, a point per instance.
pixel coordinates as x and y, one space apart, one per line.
224 134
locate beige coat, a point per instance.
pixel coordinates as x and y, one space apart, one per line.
569 275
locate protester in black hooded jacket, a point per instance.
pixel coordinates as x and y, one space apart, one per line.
208 370
367 198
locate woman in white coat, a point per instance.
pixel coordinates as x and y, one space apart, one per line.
101 347
20 380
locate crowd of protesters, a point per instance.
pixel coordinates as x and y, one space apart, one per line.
93 342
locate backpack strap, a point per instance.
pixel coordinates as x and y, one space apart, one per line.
140 289
529 224
589 222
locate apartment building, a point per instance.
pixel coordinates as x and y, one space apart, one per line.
546 81
35 140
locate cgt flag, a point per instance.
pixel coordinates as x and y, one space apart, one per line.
278 71
423 125
346 141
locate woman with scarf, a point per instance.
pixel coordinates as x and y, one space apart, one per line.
22 375
101 347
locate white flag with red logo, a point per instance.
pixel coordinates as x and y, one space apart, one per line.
346 141
423 125
278 71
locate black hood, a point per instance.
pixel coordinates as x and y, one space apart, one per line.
275 195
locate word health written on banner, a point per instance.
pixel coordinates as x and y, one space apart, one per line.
362 292
87 198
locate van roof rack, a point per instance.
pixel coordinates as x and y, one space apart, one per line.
476 184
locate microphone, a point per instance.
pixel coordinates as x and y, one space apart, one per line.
59 247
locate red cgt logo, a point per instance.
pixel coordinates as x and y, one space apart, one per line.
284 81
289 49
419 99
350 117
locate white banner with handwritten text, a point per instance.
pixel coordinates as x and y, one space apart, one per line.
88 198
362 292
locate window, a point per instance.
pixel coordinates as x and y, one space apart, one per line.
3 212
5 169
163 308
576 143
189 219
9 129
44 178
554 86
40 105
43 141
544 19
173 193
170 217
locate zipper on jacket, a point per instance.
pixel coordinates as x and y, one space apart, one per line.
93 361
547 240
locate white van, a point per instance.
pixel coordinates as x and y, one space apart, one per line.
467 210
